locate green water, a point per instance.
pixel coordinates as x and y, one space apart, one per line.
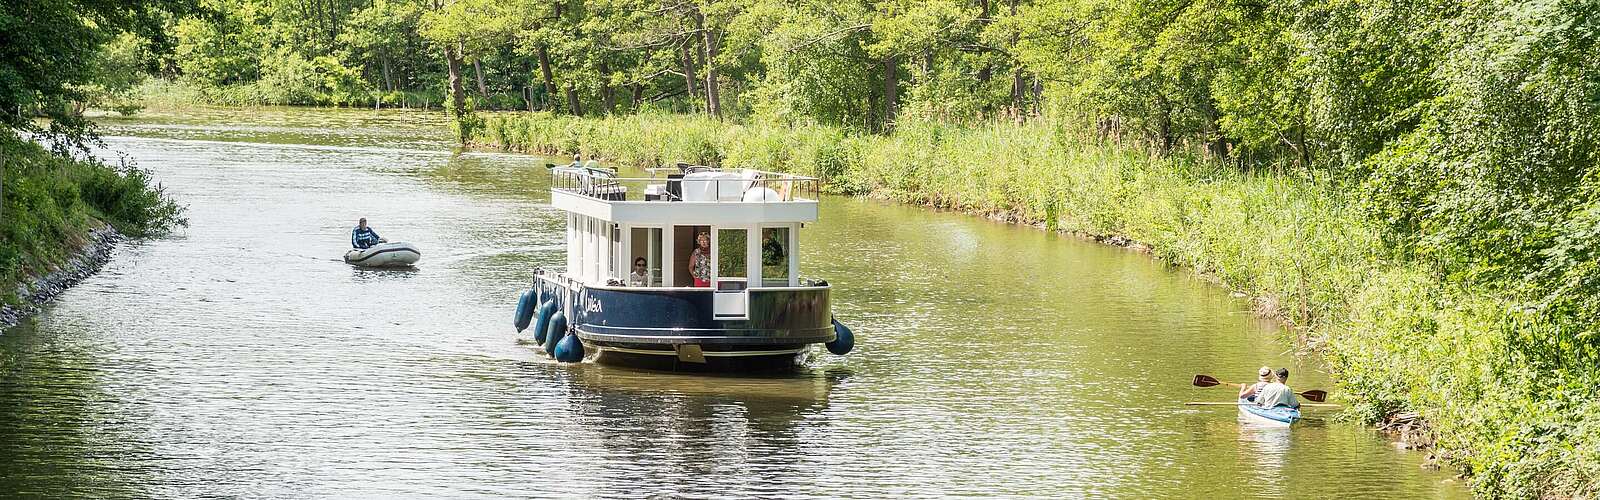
240 357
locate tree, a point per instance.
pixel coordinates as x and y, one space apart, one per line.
43 71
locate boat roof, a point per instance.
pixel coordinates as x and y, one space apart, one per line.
686 196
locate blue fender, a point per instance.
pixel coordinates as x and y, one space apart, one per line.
570 350
554 331
525 309
542 320
844 340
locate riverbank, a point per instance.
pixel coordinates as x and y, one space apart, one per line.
1403 339
61 217
33 292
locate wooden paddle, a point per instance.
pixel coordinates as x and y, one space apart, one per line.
1219 403
1209 381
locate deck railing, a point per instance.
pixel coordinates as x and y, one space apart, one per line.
733 186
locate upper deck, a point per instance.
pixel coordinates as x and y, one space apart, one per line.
698 194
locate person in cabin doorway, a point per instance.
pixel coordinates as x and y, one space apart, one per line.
1248 392
640 275
1277 393
700 260
364 237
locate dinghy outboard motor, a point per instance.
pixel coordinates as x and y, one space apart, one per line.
844 340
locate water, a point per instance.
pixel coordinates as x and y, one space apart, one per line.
240 357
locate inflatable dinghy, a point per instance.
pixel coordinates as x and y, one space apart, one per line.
397 254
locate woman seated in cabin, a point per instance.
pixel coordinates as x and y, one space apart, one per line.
640 275
1263 377
700 260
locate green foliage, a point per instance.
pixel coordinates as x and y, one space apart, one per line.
51 201
51 59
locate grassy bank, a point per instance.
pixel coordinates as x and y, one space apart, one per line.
50 203
1401 336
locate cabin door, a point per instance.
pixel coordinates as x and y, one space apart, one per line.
730 274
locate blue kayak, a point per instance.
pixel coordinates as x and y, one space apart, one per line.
1281 416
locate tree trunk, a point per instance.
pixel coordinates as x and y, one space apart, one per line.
477 70
549 79
984 73
572 101
458 100
608 96
527 88
1038 95
387 85
713 95
688 70
1019 85
638 93
891 91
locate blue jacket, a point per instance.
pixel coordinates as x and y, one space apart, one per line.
363 237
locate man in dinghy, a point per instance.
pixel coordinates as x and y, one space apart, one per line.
1277 393
364 237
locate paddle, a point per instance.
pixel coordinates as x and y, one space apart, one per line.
1218 403
1209 381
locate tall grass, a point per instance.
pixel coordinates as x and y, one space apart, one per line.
1399 336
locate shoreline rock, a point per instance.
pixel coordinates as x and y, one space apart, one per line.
36 291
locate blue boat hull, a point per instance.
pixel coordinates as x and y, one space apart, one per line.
675 329
1277 417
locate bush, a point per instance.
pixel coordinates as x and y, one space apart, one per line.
51 201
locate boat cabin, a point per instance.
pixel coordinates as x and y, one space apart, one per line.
750 219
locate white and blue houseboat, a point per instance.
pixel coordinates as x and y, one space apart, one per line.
692 269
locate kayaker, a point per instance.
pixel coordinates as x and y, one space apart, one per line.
1248 392
1277 393
364 237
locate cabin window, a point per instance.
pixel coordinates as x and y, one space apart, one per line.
645 243
775 255
732 249
619 273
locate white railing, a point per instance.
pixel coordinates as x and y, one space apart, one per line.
705 185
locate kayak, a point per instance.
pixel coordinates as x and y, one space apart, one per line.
397 254
1275 417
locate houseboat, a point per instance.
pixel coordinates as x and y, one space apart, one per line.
691 269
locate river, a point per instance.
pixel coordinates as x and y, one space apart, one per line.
240 357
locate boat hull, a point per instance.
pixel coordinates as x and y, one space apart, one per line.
1271 417
397 254
663 358
678 329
